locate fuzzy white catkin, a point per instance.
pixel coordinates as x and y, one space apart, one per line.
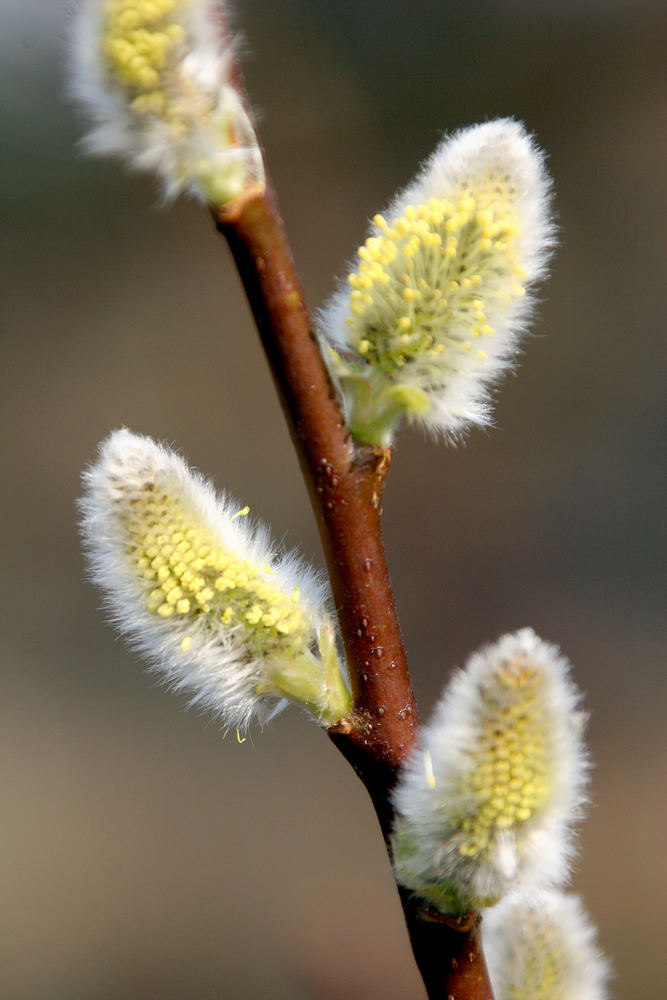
488 799
201 592
431 313
543 947
154 78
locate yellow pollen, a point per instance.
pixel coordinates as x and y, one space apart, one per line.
545 965
512 762
184 570
139 41
452 261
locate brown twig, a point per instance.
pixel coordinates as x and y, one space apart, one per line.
346 483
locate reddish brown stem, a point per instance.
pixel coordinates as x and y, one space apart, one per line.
345 483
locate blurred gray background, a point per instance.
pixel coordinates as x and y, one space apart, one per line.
143 856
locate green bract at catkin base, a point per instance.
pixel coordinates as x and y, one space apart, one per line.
432 311
154 78
202 593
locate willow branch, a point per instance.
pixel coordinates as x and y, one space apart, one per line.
345 483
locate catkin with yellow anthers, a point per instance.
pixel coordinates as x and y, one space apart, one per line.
156 79
192 575
137 40
202 593
509 770
504 783
434 261
433 308
542 946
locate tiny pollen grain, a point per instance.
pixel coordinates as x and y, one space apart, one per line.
428 769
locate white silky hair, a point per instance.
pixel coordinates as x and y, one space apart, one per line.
146 142
526 932
215 670
501 150
431 804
